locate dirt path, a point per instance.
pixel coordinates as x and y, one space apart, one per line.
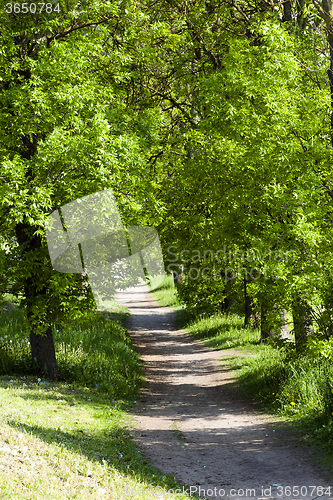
191 424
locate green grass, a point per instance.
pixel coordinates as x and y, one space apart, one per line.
299 389
164 292
67 442
222 332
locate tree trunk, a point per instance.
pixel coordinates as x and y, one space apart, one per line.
248 303
42 344
43 352
287 12
226 304
266 332
302 321
284 331
326 14
301 18
178 275
330 70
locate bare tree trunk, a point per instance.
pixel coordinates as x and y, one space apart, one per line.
42 345
248 304
301 19
252 317
43 352
226 304
329 24
327 14
282 332
178 275
287 11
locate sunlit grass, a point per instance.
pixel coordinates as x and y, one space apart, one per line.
71 439
223 331
165 292
69 443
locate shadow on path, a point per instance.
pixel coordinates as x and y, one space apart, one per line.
191 423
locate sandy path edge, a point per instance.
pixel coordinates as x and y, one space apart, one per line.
191 423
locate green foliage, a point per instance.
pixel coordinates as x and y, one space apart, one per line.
65 132
211 131
317 348
250 167
201 288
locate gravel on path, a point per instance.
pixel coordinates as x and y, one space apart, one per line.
191 423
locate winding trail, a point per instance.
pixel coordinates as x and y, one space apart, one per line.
191 423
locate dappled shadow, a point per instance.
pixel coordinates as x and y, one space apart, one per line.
221 343
192 422
115 447
112 446
256 452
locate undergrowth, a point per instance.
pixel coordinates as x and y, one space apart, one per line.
300 389
96 352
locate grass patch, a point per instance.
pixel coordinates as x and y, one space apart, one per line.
165 292
300 389
177 434
222 331
67 442
71 439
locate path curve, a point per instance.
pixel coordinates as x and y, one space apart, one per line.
190 422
